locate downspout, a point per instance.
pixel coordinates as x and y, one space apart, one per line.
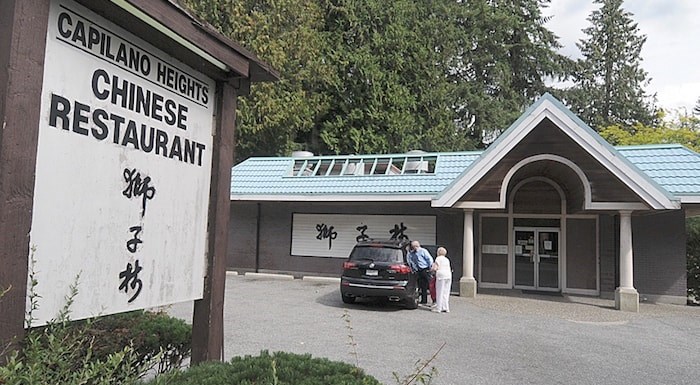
257 239
616 254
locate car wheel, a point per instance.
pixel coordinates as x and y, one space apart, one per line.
347 299
412 300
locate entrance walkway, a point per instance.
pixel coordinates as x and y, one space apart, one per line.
495 338
571 308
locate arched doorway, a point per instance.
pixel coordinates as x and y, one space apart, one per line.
537 205
542 237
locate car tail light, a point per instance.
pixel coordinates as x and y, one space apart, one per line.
349 265
401 269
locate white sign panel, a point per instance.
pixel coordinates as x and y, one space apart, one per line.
123 170
494 249
334 235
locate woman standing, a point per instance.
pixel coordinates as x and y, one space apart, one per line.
443 281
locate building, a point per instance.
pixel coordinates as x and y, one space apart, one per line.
549 206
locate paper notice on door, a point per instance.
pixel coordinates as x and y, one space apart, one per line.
548 245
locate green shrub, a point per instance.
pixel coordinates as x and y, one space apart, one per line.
279 368
693 251
156 336
116 349
62 354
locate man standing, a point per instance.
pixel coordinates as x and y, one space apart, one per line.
420 261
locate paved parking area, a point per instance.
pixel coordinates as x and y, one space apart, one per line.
494 338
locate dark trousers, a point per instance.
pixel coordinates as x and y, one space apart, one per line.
423 282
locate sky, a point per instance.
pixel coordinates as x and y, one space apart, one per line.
671 54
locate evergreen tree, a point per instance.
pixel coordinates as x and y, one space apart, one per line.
502 55
696 109
284 33
390 92
383 77
609 80
437 75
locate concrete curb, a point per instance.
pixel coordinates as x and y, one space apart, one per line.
311 278
285 277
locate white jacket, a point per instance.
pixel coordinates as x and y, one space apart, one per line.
444 270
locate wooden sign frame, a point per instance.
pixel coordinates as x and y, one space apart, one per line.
170 28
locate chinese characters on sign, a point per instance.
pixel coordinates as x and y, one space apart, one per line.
325 232
362 236
131 274
398 232
135 187
334 235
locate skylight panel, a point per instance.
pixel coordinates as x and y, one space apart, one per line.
364 166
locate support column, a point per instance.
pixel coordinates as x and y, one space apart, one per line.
626 296
208 316
467 283
23 26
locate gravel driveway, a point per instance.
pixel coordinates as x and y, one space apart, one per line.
495 338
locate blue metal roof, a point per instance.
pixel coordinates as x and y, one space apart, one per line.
272 176
673 167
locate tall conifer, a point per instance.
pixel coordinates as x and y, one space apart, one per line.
609 81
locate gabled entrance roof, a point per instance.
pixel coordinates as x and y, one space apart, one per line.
547 107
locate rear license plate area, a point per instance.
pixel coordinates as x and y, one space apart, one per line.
371 273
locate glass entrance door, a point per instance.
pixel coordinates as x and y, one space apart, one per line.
536 254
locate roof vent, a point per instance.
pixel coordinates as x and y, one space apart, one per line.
302 154
415 164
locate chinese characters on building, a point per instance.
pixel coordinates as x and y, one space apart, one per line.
398 232
328 232
362 237
334 235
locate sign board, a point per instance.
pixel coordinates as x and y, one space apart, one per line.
123 171
334 235
494 249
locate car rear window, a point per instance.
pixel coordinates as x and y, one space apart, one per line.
376 254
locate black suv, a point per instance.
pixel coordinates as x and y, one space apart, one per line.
378 268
